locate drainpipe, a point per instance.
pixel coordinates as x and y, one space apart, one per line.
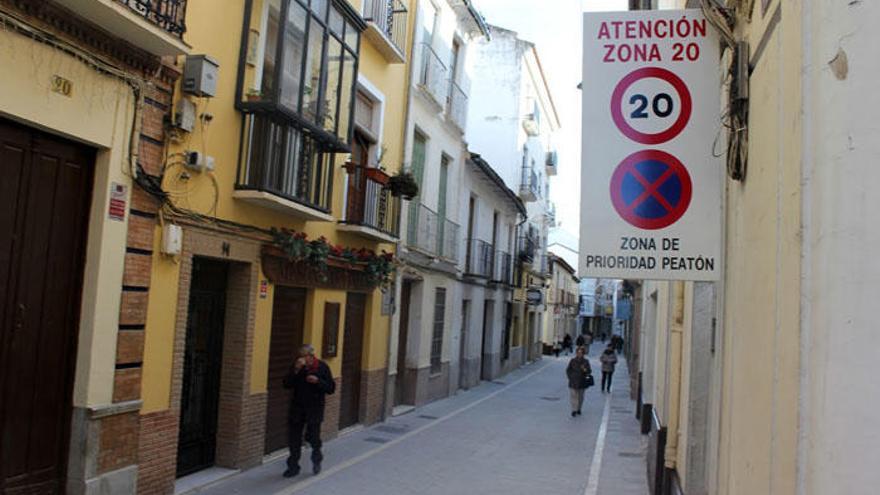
405 138
676 337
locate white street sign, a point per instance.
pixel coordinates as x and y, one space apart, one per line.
650 185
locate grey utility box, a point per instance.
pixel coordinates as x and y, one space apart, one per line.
200 75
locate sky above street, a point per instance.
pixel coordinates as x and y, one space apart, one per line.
555 26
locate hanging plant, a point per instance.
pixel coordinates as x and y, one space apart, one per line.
318 252
404 185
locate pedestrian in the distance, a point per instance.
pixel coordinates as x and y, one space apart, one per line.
557 348
609 361
566 344
580 378
580 341
310 381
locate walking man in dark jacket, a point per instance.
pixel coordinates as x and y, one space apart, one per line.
578 373
310 380
609 361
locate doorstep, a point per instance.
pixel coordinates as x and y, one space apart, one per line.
202 479
401 410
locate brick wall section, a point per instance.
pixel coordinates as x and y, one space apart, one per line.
140 232
130 347
157 453
234 449
137 270
330 427
372 395
127 384
133 308
118 442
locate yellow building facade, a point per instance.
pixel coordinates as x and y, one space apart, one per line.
274 189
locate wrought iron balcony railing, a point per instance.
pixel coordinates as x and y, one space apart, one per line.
527 247
480 259
503 273
369 203
280 160
422 228
529 189
167 14
449 246
433 75
390 17
456 106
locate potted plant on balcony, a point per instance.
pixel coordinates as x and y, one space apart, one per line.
404 185
254 94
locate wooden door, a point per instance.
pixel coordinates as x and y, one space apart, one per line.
352 359
462 351
288 318
45 186
400 381
485 354
203 356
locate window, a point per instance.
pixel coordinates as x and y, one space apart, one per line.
297 86
302 65
437 336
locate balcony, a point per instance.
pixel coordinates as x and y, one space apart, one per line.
156 26
283 169
456 106
527 247
449 240
370 209
529 189
422 228
432 76
503 273
480 261
552 163
386 28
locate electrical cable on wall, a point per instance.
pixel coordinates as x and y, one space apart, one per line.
735 118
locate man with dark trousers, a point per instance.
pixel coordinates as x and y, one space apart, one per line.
310 381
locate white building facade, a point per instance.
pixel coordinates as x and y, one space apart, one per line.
511 124
423 342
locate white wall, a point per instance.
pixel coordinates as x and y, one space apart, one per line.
840 392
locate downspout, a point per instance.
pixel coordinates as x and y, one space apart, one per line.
676 337
405 138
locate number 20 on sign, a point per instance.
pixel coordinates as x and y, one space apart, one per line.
651 186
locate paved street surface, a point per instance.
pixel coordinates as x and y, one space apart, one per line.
513 436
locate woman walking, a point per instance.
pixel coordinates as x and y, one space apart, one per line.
609 361
579 378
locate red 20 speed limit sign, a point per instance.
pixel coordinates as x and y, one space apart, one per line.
650 184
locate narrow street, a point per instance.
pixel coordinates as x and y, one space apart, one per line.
508 437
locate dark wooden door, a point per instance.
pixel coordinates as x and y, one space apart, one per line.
203 355
462 344
288 318
485 353
400 381
45 187
352 358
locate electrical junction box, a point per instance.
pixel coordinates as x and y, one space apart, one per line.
200 75
185 118
200 162
172 239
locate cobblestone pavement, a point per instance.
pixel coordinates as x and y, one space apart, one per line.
511 436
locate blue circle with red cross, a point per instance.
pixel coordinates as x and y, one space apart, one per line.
651 189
